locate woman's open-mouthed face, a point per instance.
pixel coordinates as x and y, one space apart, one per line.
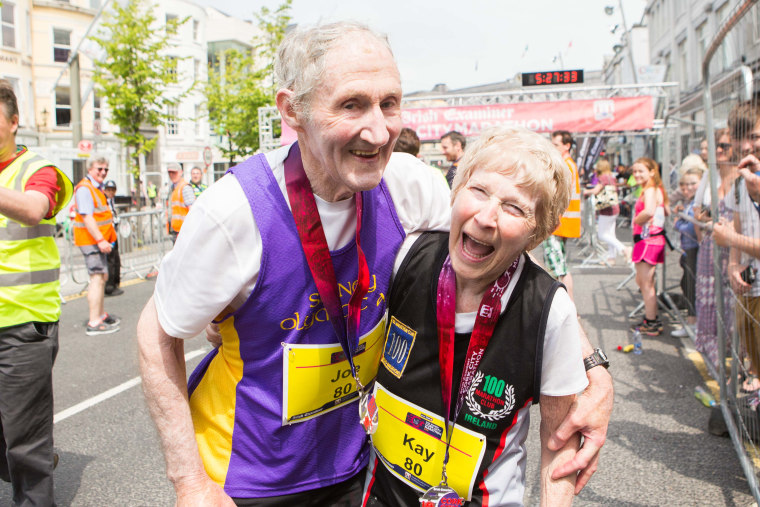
492 221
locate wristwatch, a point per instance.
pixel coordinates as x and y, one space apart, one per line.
598 358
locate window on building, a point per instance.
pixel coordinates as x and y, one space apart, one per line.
196 26
97 115
172 69
172 124
94 4
196 69
170 17
8 25
725 53
61 44
683 70
62 107
701 33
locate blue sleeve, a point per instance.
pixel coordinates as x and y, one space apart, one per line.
85 204
188 196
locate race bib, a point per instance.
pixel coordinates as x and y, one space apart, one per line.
411 443
317 378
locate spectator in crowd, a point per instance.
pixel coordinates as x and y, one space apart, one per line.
94 234
114 260
707 315
648 239
181 197
690 178
677 196
196 175
703 150
555 252
32 192
452 145
742 237
607 216
408 142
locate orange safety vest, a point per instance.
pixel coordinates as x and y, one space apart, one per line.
178 206
570 221
101 214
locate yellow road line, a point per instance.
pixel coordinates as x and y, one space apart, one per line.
83 293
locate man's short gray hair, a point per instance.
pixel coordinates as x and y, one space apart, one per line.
97 159
300 62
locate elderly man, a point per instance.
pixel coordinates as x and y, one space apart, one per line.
278 252
32 191
95 236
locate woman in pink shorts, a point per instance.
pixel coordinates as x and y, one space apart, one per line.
648 239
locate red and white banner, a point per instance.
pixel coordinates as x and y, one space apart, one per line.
592 115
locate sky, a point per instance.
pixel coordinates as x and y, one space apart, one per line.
470 43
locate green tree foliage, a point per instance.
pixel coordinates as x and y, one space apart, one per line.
240 83
135 74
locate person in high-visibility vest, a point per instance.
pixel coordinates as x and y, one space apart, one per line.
32 191
180 200
196 175
152 192
555 253
95 236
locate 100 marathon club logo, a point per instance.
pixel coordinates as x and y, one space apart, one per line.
489 402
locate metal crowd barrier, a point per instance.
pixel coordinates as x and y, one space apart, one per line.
143 242
738 330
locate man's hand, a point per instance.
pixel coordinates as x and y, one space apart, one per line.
589 416
104 246
200 492
213 335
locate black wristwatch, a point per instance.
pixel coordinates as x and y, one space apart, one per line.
598 358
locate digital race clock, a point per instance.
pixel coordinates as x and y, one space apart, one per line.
552 77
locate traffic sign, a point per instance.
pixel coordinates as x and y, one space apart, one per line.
84 146
208 156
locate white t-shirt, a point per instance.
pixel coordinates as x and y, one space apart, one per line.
216 260
750 225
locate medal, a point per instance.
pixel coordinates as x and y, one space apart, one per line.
368 412
441 495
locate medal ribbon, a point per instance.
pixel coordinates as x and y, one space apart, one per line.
485 323
312 236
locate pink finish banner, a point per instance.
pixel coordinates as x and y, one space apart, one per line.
592 115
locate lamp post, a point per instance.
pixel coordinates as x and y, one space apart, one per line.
610 10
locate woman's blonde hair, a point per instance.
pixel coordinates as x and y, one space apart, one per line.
603 166
534 163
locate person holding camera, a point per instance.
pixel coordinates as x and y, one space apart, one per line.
742 236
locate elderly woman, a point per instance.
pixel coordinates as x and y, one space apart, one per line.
477 333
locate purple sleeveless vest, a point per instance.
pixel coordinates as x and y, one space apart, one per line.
269 458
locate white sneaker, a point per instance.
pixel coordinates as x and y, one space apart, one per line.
680 333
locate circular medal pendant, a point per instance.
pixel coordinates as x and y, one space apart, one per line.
442 496
368 413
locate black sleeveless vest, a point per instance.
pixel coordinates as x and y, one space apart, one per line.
512 360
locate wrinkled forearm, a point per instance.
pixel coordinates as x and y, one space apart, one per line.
162 367
556 492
